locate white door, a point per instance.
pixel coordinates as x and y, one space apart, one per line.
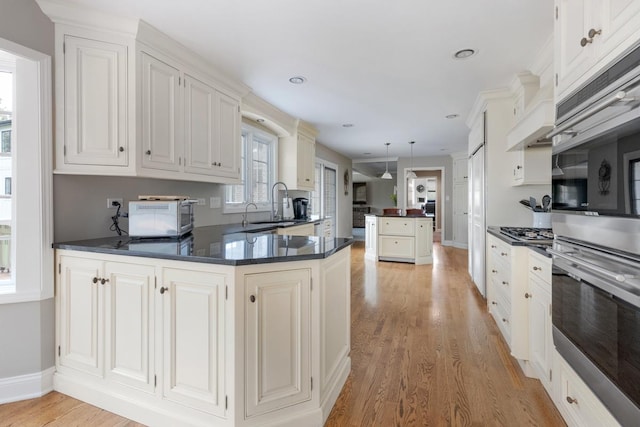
128 294
460 212
193 338
160 115
371 236
478 220
277 340
95 104
80 312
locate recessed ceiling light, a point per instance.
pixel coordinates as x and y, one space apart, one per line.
297 80
347 125
452 116
260 120
464 54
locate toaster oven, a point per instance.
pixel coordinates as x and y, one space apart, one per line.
161 217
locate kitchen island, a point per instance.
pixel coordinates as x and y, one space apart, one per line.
220 328
399 238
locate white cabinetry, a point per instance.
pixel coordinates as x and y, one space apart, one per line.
408 239
162 113
188 127
297 157
104 313
540 336
92 111
532 166
590 34
278 340
575 401
193 331
506 293
371 237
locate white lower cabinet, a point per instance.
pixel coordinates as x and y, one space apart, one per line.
540 335
169 343
408 239
575 401
371 237
277 340
105 320
193 336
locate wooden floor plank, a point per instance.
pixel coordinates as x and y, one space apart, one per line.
425 352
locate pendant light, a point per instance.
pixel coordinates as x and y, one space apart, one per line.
386 174
411 174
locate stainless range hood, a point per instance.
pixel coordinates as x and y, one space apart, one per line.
536 122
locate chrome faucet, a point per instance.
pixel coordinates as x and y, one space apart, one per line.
244 217
274 209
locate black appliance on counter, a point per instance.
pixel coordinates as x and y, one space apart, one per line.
596 221
301 208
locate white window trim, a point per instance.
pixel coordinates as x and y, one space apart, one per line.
262 207
35 269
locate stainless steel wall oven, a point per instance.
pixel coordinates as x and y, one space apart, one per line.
596 221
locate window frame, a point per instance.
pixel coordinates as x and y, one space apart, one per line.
252 132
32 256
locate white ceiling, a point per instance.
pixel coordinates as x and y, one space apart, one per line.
383 65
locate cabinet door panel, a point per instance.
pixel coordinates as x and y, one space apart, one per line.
396 226
160 120
571 59
228 137
199 126
306 162
277 340
79 315
424 236
193 334
129 324
396 247
95 75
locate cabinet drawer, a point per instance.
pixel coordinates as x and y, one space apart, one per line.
396 226
577 403
396 247
540 266
502 318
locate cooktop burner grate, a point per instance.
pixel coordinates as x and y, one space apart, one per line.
528 234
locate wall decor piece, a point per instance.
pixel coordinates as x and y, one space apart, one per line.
604 177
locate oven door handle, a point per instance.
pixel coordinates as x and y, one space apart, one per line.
615 276
618 97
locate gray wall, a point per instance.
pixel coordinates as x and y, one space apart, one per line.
27 332
445 162
379 194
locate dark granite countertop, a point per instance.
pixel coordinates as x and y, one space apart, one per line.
540 248
401 216
218 244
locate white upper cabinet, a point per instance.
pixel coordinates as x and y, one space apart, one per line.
590 34
131 101
297 157
95 104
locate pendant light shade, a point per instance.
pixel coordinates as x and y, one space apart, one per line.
386 174
411 174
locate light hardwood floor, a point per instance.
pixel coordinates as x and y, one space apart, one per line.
424 351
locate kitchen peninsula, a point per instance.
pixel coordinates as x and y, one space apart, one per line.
220 328
399 238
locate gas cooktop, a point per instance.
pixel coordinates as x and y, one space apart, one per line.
526 234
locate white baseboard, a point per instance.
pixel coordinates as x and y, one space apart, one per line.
446 243
455 244
26 386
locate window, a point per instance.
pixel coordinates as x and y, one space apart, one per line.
26 256
258 171
634 167
5 139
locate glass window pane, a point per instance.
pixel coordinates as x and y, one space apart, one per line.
260 193
6 172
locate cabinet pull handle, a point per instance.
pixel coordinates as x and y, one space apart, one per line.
164 289
121 149
518 167
493 246
592 33
95 280
571 400
148 152
307 179
536 268
494 271
252 298
505 283
527 295
103 281
504 253
494 303
505 320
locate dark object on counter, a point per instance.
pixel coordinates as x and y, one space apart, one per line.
301 208
546 201
524 202
391 211
415 212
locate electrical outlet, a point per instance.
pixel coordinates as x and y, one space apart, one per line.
111 202
201 202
